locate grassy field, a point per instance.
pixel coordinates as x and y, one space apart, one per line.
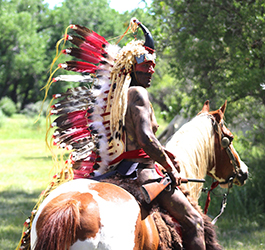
24 172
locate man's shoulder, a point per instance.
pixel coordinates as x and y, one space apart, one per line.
137 90
138 95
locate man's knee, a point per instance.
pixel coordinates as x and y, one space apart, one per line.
195 224
193 236
199 223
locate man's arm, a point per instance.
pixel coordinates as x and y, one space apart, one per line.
141 116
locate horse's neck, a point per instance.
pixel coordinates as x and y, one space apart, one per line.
193 146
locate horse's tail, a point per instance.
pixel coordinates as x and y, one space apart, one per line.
57 225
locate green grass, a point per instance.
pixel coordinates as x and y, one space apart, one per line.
25 171
243 235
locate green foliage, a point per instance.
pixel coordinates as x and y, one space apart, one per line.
23 127
2 118
22 50
29 32
243 234
215 48
7 106
164 92
34 109
24 172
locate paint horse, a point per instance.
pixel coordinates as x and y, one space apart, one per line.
86 214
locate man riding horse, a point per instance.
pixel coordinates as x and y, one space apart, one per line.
140 127
113 126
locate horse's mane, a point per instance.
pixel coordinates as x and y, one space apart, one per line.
193 145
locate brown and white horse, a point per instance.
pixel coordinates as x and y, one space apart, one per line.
86 214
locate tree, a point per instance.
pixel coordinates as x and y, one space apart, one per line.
22 50
95 15
216 48
29 32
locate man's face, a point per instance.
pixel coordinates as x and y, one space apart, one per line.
144 72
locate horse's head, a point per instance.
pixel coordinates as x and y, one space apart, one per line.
228 167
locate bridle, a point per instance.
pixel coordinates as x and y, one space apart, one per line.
226 144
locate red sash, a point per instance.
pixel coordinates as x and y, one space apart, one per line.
137 153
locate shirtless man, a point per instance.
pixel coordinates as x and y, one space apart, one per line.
140 127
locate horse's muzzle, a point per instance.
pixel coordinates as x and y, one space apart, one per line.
240 179
242 175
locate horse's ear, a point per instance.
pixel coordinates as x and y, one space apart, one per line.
222 109
206 107
219 114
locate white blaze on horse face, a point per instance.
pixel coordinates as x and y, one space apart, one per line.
243 166
117 216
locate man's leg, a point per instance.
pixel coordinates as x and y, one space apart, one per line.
176 203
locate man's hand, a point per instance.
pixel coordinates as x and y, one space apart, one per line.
175 178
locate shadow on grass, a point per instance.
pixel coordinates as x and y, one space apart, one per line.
43 158
15 208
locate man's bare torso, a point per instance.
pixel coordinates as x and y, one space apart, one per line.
133 115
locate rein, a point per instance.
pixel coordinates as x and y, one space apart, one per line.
207 203
225 143
224 201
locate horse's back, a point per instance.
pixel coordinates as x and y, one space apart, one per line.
106 215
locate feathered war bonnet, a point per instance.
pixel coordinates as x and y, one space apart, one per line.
136 51
91 121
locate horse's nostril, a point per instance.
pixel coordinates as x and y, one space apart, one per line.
242 177
245 175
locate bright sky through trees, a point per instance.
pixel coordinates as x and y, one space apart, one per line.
119 5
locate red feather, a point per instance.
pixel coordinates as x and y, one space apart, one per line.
84 55
75 136
71 119
90 36
77 66
82 44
